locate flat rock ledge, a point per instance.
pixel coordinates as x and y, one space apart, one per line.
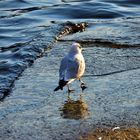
112 99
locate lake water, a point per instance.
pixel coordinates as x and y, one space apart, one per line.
28 28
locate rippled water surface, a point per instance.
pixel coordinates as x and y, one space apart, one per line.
27 27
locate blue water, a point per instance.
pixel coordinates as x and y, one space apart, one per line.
28 28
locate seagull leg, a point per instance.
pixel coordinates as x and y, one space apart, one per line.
82 85
70 90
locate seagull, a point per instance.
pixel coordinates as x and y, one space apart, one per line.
72 67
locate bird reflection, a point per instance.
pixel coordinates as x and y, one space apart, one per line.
72 109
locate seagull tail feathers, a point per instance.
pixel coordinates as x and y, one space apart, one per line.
57 88
62 83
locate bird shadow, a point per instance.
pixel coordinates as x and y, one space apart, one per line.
74 109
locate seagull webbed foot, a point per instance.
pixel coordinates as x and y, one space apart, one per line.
83 86
71 90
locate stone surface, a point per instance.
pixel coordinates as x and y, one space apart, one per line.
33 110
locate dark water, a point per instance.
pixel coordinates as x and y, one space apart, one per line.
28 28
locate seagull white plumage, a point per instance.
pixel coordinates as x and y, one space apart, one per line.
72 67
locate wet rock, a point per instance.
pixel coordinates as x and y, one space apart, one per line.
112 97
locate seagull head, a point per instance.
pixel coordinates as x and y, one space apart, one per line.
76 48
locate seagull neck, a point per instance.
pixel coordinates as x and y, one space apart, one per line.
73 52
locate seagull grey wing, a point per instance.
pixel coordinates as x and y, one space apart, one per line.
75 68
63 67
72 69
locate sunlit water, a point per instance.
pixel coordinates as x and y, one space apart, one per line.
27 27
